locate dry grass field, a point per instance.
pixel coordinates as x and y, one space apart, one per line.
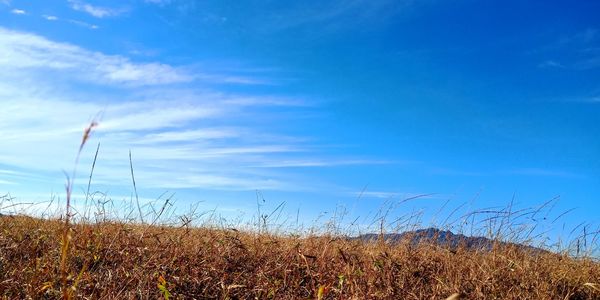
128 261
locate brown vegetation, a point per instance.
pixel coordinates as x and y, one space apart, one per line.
129 261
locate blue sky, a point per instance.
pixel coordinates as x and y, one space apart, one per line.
309 102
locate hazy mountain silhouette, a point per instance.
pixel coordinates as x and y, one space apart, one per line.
443 238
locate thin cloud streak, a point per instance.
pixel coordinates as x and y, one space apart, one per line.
95 11
180 137
29 51
515 171
222 163
171 147
544 173
50 18
578 51
189 135
18 12
334 16
320 163
400 196
205 157
159 2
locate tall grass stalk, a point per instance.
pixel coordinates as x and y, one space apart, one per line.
66 236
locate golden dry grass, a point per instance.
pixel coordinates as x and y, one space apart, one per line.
129 261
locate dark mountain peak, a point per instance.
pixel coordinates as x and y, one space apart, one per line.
445 238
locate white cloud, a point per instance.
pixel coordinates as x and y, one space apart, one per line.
234 79
96 11
375 194
581 99
551 64
24 50
395 195
159 2
43 135
319 163
154 115
119 69
18 11
175 143
455 172
268 101
330 16
578 51
544 173
179 137
586 36
588 63
189 135
83 24
593 99
219 182
50 18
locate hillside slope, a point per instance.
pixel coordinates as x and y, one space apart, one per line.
126 261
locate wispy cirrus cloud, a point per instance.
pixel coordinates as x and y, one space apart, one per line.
180 137
79 23
590 98
171 151
551 64
588 63
95 11
587 36
337 15
364 10
189 135
578 51
595 99
332 162
454 172
6 182
375 194
544 173
50 17
18 12
83 24
29 51
159 2
521 171
265 17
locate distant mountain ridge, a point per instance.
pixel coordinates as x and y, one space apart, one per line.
444 238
